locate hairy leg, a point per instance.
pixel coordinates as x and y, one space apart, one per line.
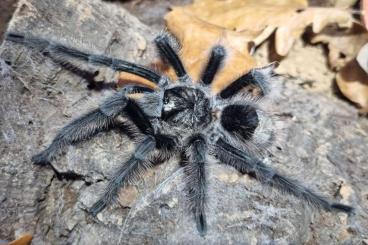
247 164
76 131
194 168
214 63
166 50
57 49
88 76
139 118
258 77
138 162
84 127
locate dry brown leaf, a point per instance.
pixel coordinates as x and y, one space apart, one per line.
319 18
343 45
353 83
198 37
258 19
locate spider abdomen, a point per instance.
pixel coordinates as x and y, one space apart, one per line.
241 120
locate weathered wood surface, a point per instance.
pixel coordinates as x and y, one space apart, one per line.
326 148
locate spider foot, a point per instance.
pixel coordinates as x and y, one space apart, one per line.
98 85
41 159
342 208
201 225
98 207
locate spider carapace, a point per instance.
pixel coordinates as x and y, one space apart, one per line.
187 106
181 118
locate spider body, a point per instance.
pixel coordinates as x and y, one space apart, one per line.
186 107
180 118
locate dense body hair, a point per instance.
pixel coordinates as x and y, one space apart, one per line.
182 117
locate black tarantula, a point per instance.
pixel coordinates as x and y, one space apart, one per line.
180 117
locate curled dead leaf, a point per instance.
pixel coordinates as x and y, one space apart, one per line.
343 45
319 18
353 83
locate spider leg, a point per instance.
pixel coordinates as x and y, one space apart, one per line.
258 77
88 76
142 159
214 63
194 168
247 164
167 51
136 163
62 50
97 120
78 130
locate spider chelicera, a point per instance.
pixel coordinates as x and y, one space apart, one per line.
181 117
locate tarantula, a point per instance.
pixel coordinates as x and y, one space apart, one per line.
180 117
